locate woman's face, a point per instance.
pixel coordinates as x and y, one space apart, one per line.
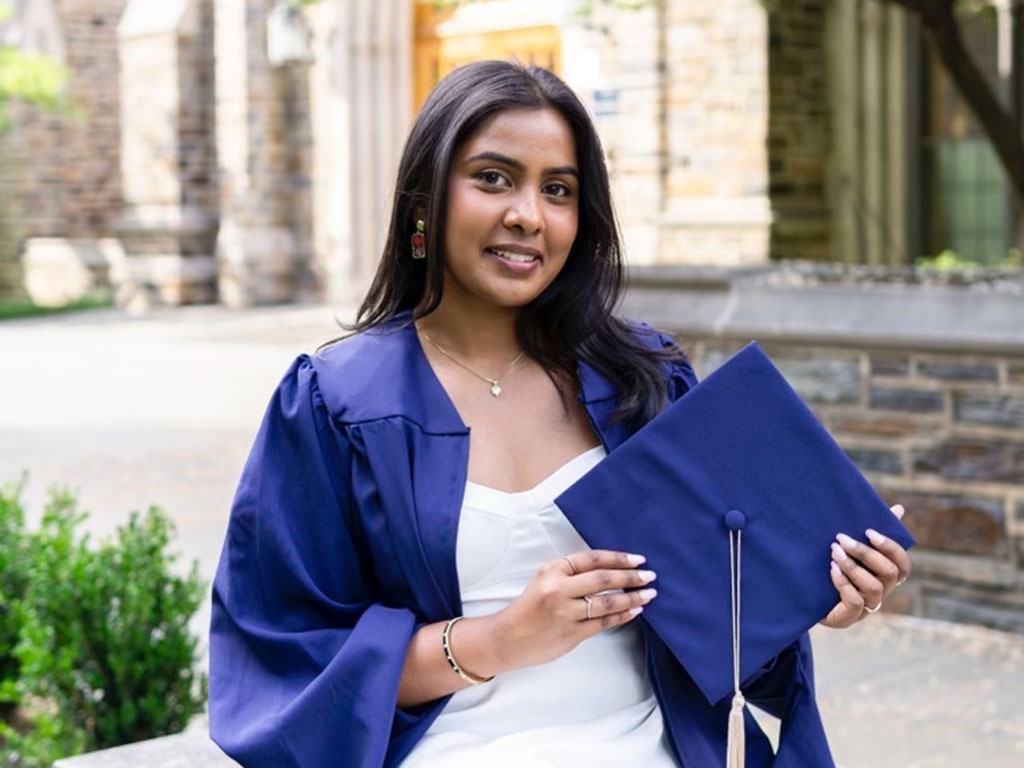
513 191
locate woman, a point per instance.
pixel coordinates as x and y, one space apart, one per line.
396 589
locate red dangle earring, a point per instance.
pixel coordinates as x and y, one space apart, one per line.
418 249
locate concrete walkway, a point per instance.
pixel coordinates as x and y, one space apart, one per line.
162 409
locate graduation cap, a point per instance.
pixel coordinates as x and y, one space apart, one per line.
734 494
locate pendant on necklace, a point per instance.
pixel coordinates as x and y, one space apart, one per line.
495 389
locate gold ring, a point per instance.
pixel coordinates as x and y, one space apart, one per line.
571 564
590 602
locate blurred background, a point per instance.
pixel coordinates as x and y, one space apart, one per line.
193 191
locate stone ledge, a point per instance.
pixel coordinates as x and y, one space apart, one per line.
191 749
759 303
954 675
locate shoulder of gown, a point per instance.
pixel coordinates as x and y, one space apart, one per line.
297 629
680 373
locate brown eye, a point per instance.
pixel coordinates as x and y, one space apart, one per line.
492 178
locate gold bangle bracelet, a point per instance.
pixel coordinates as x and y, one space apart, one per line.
446 644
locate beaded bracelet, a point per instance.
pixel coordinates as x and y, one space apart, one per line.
446 644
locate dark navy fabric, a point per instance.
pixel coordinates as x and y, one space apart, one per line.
739 452
341 544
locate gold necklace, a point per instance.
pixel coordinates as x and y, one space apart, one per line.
495 386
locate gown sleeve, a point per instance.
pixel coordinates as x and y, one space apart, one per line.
304 662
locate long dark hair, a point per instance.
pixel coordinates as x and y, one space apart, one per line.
572 319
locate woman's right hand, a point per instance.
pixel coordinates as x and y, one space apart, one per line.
550 618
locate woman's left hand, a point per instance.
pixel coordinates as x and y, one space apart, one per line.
865 575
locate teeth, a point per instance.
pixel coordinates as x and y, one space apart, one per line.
522 258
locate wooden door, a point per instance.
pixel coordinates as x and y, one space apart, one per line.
436 53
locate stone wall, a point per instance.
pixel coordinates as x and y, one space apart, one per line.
197 150
922 385
169 221
66 168
944 436
748 130
799 140
721 146
716 183
630 117
295 197
687 92
255 246
59 173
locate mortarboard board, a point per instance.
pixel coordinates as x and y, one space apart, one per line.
738 453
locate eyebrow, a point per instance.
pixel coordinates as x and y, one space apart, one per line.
513 163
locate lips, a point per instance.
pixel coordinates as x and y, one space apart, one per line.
512 262
514 256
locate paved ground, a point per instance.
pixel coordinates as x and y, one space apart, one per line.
163 408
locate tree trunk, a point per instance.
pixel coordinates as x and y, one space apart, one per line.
939 21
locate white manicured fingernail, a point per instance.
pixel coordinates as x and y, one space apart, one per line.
876 538
636 559
636 610
646 576
834 567
839 552
648 594
845 540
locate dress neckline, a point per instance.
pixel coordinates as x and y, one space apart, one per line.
539 487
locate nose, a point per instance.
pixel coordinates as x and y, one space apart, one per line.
524 213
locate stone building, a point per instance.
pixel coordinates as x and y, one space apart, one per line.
242 151
60 176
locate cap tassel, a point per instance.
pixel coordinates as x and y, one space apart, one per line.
735 751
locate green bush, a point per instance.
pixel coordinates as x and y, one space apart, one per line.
16 308
30 77
951 261
104 647
12 589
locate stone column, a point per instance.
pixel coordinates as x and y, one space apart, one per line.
168 227
798 130
330 143
86 162
255 247
717 208
614 59
871 102
360 83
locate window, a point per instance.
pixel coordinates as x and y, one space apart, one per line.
965 189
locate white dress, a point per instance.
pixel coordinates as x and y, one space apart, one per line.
592 706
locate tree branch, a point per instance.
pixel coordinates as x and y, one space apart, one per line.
939 22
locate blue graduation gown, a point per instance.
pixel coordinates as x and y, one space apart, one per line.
341 544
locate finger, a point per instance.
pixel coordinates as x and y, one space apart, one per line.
604 580
870 588
898 510
877 562
593 559
608 603
593 626
896 554
851 604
